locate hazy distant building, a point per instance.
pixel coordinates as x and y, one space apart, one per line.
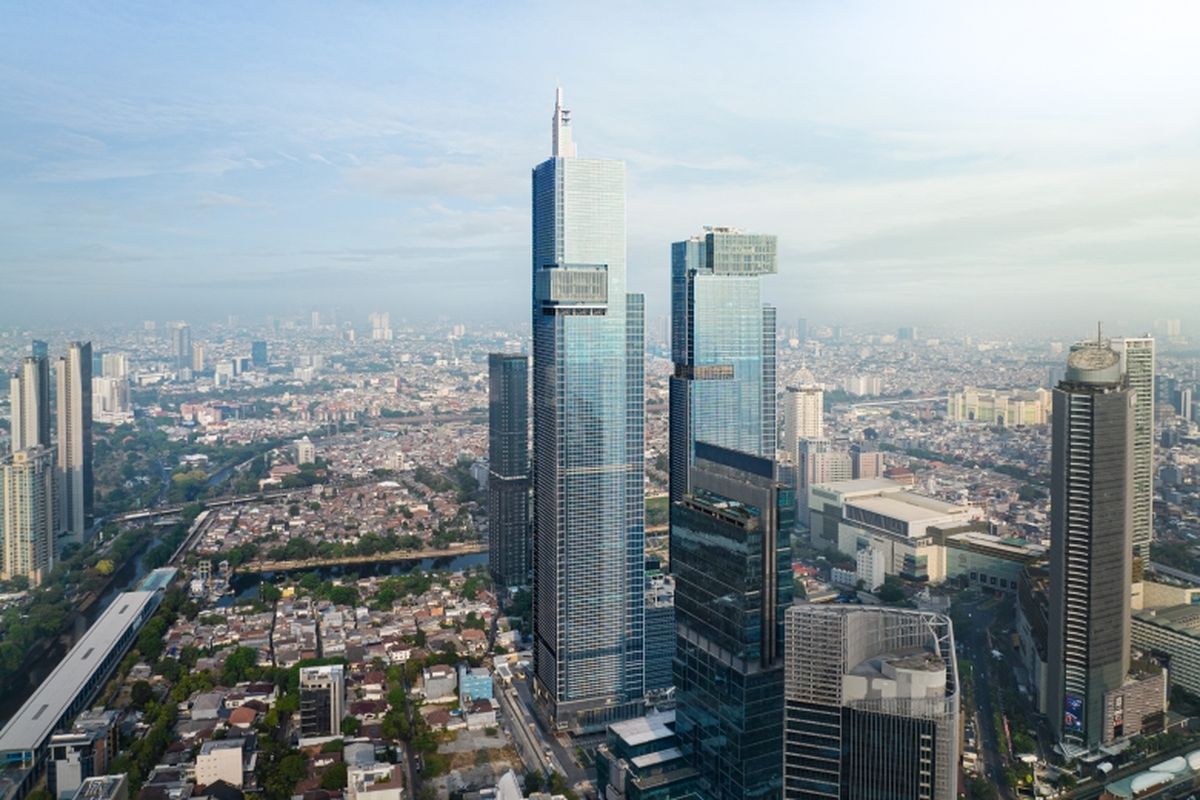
381 326
863 385
181 346
907 333
198 360
114 365
29 395
306 451
1137 362
803 416
74 401
871 704
588 444
110 400
722 389
322 700
731 558
998 407
1091 518
508 480
258 354
27 509
39 349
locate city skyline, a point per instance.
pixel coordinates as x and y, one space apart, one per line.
738 445
306 172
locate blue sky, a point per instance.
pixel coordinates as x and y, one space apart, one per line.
917 160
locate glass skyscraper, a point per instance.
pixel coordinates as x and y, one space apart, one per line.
508 469
722 390
732 561
588 419
1092 469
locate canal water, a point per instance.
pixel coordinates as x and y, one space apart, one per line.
245 585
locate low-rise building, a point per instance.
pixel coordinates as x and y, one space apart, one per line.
1172 635
474 683
440 683
376 782
229 760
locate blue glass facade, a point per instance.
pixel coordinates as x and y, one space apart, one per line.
731 558
722 389
509 550
588 428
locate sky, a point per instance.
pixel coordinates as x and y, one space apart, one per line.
967 162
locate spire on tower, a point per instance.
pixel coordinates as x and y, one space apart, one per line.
563 147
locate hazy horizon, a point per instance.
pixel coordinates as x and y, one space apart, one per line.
925 162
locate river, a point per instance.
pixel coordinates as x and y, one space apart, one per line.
245 585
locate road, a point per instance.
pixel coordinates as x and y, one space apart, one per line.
521 728
978 652
564 758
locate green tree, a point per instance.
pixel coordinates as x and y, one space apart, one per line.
140 694
350 726
241 665
334 777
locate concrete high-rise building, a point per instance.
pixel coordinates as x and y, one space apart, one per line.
1091 518
732 561
865 462
588 443
509 549
803 416
181 346
802 329
74 388
114 365
381 326
29 395
818 461
27 508
322 700
197 363
110 400
1137 362
722 390
871 704
306 451
258 354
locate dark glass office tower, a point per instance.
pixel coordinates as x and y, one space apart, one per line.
588 419
508 469
722 390
731 557
258 354
1091 523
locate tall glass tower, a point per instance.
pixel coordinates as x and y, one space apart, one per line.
722 390
1092 470
508 469
588 430
732 560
